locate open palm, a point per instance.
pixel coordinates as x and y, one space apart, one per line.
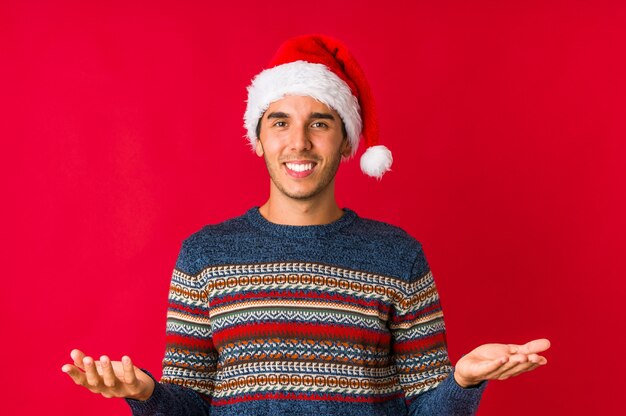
109 378
499 361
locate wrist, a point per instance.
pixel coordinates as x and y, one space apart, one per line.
463 382
147 387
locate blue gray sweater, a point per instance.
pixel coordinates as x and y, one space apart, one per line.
336 319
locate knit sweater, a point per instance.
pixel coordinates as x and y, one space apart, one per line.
335 319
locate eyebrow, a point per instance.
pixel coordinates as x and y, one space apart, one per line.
326 116
279 114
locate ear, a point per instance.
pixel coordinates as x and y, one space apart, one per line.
258 148
346 149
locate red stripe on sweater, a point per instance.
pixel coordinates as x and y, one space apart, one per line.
189 342
420 345
184 308
302 331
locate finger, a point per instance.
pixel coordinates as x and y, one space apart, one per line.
77 355
518 358
535 346
513 348
526 370
497 373
129 371
94 380
537 359
108 375
513 361
75 374
98 365
487 367
518 369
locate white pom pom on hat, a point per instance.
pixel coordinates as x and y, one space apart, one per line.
323 68
376 161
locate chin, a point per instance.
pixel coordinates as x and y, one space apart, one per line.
301 196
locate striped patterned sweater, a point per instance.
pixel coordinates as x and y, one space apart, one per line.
336 319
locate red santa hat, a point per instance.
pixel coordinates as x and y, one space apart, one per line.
321 67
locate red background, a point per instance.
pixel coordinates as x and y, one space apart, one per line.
122 134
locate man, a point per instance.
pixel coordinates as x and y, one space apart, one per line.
298 306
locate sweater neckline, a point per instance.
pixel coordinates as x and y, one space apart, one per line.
299 231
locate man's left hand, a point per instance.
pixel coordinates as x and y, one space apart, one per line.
499 362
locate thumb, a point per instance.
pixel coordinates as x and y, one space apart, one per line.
535 346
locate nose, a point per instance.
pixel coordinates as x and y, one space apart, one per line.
300 140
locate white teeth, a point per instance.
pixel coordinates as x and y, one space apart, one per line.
299 167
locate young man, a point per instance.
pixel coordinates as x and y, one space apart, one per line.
299 306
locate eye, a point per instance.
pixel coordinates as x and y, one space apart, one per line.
319 124
280 124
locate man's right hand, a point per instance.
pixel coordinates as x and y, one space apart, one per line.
109 378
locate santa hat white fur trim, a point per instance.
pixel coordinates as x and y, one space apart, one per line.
306 79
376 161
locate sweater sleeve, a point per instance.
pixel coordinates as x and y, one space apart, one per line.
420 349
190 360
448 399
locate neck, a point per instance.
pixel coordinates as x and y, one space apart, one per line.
280 209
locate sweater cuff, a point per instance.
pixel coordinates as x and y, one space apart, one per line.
458 391
140 407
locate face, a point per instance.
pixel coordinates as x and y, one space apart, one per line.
302 143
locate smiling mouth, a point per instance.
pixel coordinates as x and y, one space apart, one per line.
300 169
